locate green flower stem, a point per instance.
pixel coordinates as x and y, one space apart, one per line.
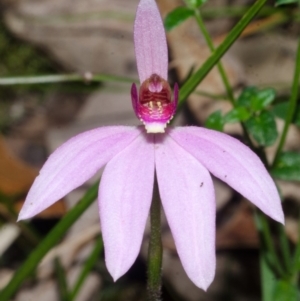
292 105
31 263
48 79
212 49
191 84
155 250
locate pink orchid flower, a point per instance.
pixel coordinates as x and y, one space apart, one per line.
182 158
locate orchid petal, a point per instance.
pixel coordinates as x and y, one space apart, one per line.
124 202
188 199
235 164
73 163
150 41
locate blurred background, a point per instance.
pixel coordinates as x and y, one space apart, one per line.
91 37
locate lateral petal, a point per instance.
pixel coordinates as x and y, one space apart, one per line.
188 199
150 41
73 163
125 196
235 164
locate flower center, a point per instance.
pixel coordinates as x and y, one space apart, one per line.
154 106
155 93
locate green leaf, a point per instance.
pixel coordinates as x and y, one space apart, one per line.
247 94
254 99
62 283
236 115
285 291
287 167
285 2
262 99
263 128
177 16
268 277
215 121
196 3
281 109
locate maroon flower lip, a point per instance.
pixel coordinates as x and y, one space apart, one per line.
154 105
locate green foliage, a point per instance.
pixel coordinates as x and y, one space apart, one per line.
215 121
62 283
238 114
285 291
177 16
196 3
263 128
287 167
256 100
181 13
268 281
251 108
285 2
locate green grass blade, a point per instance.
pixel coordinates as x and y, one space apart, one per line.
61 278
